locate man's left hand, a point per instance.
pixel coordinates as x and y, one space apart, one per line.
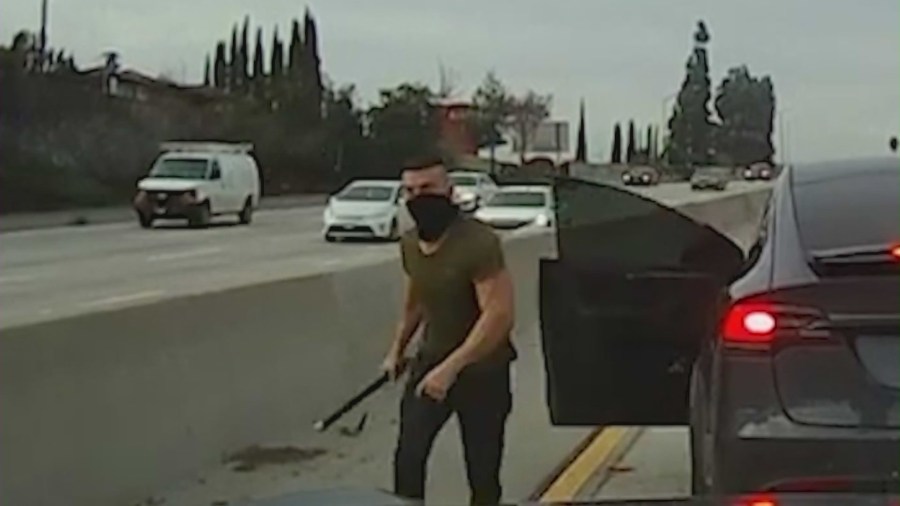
437 382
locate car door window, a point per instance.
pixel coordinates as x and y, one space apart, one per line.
215 174
625 305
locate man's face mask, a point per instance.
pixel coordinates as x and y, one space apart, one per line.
433 214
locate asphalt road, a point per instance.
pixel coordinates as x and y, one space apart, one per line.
58 272
335 460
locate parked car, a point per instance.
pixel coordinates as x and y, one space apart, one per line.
517 206
640 176
758 172
783 362
471 189
710 178
197 181
366 208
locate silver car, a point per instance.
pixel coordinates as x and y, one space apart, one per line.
710 178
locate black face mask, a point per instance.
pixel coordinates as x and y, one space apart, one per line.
433 214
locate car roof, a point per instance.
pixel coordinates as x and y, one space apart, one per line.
525 188
187 155
466 173
389 183
816 172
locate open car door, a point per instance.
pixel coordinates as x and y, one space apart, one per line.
626 304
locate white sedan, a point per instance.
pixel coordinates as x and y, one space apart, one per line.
517 206
471 189
366 208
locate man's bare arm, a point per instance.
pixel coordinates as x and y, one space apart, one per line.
409 321
496 300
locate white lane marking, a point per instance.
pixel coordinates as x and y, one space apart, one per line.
123 299
17 278
181 255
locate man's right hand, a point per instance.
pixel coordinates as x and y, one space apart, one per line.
394 365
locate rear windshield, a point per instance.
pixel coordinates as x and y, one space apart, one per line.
366 193
518 199
464 180
180 168
849 212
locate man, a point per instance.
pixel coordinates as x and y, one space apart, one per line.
458 287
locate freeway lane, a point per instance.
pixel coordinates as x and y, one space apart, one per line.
534 449
55 273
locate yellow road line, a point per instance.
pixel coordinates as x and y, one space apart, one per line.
573 479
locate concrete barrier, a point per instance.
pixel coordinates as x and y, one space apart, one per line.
106 408
101 215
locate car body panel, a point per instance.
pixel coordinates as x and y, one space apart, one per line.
513 216
822 400
640 176
715 178
470 196
619 319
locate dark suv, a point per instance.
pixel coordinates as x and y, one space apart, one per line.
785 363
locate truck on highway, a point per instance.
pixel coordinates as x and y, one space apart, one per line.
198 181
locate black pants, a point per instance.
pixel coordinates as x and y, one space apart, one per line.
482 400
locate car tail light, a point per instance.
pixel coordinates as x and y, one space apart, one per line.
895 252
757 324
756 500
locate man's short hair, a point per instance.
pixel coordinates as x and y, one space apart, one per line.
420 162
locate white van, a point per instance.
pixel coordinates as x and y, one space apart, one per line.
197 181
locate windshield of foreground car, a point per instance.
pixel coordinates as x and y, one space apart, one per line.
518 199
366 193
180 168
463 180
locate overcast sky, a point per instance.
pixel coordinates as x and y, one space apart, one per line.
835 63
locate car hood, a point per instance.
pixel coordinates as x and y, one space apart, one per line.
168 184
510 213
359 208
359 497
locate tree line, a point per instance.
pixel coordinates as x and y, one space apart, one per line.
739 133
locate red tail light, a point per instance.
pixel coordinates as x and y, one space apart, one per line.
758 324
750 324
895 252
757 500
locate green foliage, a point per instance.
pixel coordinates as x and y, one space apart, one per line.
746 106
259 71
690 125
493 108
616 156
276 67
632 147
220 67
402 125
527 113
581 148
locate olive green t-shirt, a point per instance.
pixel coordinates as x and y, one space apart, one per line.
444 284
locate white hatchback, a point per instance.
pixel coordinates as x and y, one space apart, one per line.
518 206
366 208
471 189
